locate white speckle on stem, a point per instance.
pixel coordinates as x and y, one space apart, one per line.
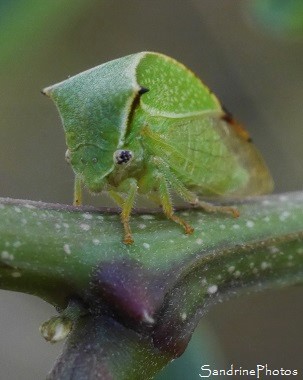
67 249
17 244
148 318
284 215
142 226
17 209
146 245
147 217
266 202
212 289
29 206
183 316
87 216
231 269
236 226
84 227
16 274
250 223
96 241
265 265
222 226
5 255
273 249
199 241
237 274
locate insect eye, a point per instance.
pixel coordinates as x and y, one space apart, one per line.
67 156
122 156
94 160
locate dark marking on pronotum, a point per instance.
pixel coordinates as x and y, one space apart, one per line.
143 90
237 127
228 117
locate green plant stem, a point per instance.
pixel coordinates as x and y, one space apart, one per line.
95 340
158 288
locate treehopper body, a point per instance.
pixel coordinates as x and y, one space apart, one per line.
146 124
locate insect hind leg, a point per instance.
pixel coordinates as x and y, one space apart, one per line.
187 195
209 207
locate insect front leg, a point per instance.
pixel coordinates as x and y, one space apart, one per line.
167 205
77 191
117 198
187 195
126 205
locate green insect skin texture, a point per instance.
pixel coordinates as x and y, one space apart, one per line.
172 129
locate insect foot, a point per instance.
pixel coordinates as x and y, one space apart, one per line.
228 210
128 239
188 229
208 207
234 211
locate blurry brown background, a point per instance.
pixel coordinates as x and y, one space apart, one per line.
256 73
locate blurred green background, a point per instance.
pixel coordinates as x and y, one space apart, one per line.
250 55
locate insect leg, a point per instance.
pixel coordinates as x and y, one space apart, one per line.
188 195
209 207
77 191
116 197
167 204
126 205
174 181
